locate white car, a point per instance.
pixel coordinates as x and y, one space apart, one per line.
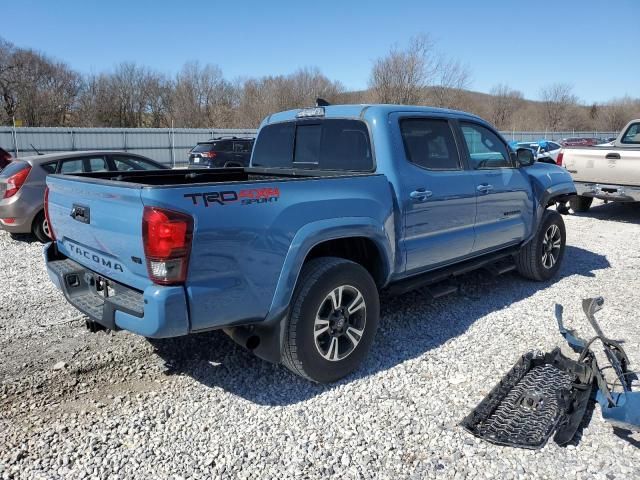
543 150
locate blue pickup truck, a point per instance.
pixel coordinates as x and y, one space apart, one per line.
288 256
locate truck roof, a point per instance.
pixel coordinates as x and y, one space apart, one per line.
371 110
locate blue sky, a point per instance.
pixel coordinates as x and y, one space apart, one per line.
591 44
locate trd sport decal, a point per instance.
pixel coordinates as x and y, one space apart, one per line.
245 197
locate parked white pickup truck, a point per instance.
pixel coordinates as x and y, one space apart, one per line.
610 173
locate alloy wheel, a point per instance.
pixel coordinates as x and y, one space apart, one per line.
340 323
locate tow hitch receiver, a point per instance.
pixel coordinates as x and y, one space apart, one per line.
547 392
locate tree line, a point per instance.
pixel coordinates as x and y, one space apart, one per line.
37 90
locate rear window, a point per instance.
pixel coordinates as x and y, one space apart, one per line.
213 146
13 168
632 135
322 144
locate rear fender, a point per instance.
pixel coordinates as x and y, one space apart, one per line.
271 331
321 231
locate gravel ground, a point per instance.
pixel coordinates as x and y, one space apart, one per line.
80 405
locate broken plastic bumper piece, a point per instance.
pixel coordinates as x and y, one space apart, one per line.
541 394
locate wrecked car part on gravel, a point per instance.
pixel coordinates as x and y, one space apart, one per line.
547 392
542 393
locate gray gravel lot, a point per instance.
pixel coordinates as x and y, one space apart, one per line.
200 407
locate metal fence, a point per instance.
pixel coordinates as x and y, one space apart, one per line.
166 145
534 136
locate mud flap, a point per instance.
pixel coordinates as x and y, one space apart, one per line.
541 394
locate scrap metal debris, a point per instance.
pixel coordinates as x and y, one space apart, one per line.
548 392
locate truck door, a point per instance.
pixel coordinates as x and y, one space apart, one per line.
437 194
505 206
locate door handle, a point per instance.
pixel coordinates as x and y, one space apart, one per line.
612 156
484 188
420 195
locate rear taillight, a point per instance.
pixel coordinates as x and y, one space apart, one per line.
47 217
210 154
167 244
559 159
15 182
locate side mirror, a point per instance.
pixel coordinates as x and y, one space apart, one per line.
525 157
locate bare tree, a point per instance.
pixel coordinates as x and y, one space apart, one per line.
451 79
557 102
402 75
503 103
202 97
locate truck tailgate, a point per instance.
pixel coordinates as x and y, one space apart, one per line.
603 165
99 226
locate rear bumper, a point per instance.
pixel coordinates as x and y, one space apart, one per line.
157 312
20 211
612 193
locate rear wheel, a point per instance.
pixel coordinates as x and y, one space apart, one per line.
580 203
540 259
40 228
333 321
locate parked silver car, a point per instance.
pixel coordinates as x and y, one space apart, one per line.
22 184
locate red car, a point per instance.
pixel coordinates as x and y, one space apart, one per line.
5 158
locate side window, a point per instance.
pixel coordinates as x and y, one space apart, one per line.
74 165
125 164
97 164
50 167
632 135
429 144
486 150
240 147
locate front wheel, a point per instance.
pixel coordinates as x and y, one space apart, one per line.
580 203
540 259
333 321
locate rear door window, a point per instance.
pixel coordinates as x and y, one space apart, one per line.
97 164
75 165
330 144
430 144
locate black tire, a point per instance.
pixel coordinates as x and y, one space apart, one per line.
39 228
562 208
302 345
531 261
580 203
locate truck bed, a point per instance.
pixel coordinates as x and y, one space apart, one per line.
603 165
168 178
246 224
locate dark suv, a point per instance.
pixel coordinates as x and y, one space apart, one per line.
221 152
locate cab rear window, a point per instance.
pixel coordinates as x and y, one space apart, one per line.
328 144
632 135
